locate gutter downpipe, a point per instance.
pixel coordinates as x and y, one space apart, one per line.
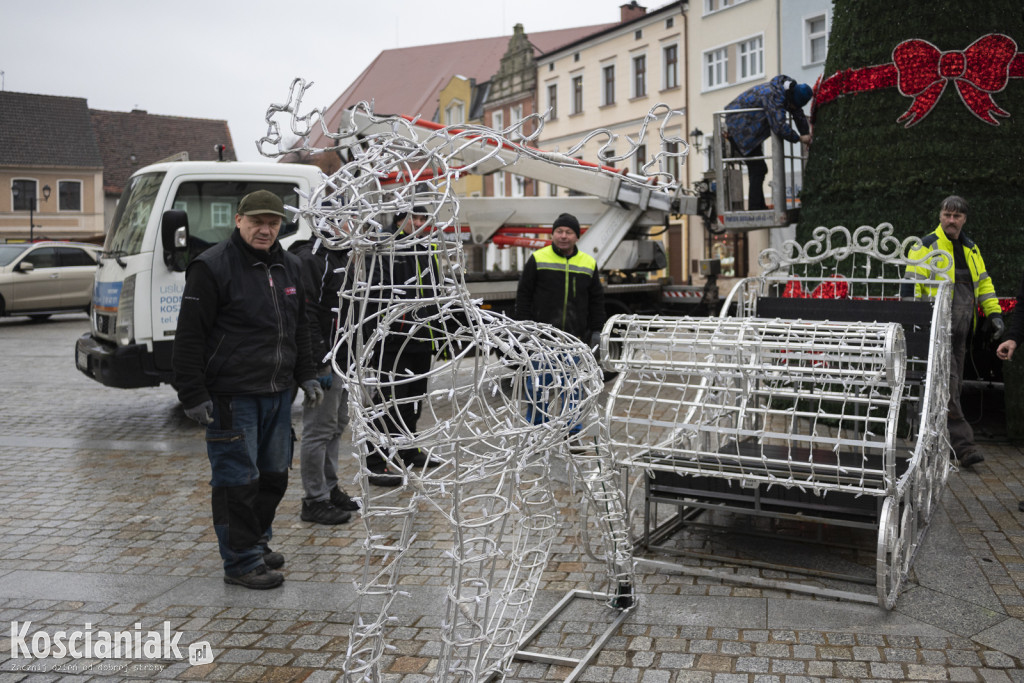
684 8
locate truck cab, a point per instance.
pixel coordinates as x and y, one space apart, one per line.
169 213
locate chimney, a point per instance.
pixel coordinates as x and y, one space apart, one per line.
631 11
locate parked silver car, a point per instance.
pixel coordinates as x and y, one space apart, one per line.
44 278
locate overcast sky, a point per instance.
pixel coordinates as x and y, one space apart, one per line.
230 59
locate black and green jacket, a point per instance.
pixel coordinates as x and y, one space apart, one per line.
564 291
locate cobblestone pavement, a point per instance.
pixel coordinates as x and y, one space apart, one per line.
105 521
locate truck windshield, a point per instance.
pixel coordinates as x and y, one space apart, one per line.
128 228
211 206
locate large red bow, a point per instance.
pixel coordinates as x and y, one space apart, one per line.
983 68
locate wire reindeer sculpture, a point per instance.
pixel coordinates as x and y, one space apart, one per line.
490 479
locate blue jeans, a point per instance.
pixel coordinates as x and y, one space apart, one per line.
249 444
537 409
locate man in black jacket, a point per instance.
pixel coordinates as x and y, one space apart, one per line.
560 286
407 350
241 346
323 276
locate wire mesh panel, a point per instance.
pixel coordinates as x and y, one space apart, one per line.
779 401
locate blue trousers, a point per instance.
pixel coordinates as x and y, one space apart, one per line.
545 399
249 444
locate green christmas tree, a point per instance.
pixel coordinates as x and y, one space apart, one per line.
867 166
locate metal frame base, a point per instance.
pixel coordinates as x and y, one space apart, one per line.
581 664
654 538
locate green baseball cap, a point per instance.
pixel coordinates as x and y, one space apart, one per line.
261 201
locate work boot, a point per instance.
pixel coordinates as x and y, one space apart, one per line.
383 476
418 458
272 559
322 512
260 578
342 500
971 458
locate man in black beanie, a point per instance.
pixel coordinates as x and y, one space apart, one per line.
560 286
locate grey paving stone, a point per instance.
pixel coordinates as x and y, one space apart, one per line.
1006 636
25 583
794 614
152 558
656 676
947 612
671 660
752 664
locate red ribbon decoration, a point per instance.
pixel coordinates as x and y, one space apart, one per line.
922 71
983 68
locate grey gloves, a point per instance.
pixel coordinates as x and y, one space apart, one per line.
202 413
996 328
314 393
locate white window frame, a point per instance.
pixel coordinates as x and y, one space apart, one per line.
515 116
576 105
498 119
665 85
713 6
810 37
633 59
750 58
457 106
499 183
517 185
221 214
81 196
640 158
607 95
671 161
35 192
710 67
552 89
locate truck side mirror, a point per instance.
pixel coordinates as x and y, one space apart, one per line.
174 235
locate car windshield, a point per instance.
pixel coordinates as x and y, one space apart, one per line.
9 252
128 228
211 206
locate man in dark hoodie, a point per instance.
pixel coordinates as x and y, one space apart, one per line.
408 349
748 130
241 346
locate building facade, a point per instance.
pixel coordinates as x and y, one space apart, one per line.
50 169
610 80
735 45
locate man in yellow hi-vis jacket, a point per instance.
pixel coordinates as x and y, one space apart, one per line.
972 287
561 286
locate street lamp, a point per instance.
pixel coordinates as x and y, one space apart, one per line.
16 192
697 135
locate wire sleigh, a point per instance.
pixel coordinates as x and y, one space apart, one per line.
819 394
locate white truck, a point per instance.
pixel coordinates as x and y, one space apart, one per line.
168 213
